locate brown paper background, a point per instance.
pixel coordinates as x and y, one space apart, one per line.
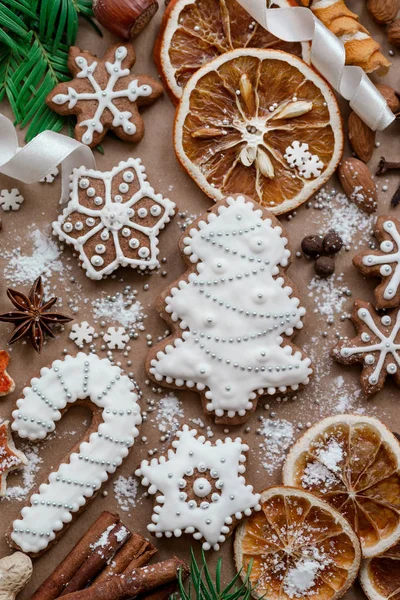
156 151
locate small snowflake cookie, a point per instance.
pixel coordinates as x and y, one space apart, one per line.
384 262
233 314
376 346
50 177
11 199
200 488
116 337
113 219
82 333
308 165
104 94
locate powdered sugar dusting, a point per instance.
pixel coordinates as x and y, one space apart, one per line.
125 491
20 492
124 309
278 436
329 294
169 411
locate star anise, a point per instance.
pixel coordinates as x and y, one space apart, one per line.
31 318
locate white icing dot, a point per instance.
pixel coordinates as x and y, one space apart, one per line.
105 235
123 187
97 261
98 200
144 252
90 222
155 210
118 198
68 227
84 183
142 212
387 246
385 270
201 487
78 226
126 232
134 243
369 359
365 337
100 248
386 320
91 192
391 368
128 176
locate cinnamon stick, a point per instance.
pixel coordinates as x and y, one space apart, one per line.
123 587
135 553
52 587
161 593
104 549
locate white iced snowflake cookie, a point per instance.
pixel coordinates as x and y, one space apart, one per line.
384 262
233 313
11 199
376 346
82 333
116 338
113 218
116 414
200 488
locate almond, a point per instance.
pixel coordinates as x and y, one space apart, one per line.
357 183
391 96
383 11
394 33
361 137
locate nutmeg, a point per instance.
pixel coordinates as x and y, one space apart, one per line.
383 11
393 33
391 96
361 137
125 18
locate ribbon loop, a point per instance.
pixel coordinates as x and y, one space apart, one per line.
40 156
328 55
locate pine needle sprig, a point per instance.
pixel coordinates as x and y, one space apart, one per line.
202 586
35 36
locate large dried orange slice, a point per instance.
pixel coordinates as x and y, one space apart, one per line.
380 576
260 123
300 547
193 32
353 462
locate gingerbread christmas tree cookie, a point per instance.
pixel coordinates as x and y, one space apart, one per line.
384 262
202 490
113 218
376 346
104 94
233 313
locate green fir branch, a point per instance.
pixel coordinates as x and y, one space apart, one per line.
35 36
203 586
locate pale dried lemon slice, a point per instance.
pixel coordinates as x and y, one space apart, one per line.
193 32
380 576
353 462
260 123
299 546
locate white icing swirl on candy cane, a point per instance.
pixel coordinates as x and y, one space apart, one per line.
74 482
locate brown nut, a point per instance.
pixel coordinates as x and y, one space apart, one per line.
383 11
125 18
361 137
391 96
393 33
357 183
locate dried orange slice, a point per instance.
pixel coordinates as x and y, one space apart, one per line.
380 576
353 462
260 123
300 547
193 32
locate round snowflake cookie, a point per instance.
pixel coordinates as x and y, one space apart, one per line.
233 314
112 399
200 488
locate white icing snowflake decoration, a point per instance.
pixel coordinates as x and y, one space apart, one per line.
297 154
200 488
50 177
312 167
116 337
82 333
113 218
11 200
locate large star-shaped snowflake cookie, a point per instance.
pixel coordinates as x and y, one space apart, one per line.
200 488
384 262
113 218
104 94
377 346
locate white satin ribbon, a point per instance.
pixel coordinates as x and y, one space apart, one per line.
328 55
40 156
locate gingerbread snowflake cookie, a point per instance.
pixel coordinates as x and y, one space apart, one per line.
200 488
113 219
104 94
376 346
233 313
384 262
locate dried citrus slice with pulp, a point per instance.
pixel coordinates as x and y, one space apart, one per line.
260 123
353 462
380 576
299 547
193 32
